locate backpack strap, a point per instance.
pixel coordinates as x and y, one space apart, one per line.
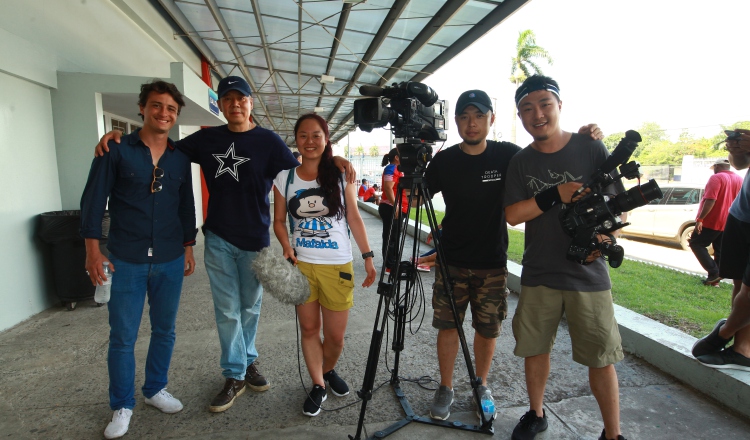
343 194
289 179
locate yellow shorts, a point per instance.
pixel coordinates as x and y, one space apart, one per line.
591 321
332 285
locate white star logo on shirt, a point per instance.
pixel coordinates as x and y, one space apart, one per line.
228 163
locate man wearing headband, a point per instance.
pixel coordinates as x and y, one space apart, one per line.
471 176
540 179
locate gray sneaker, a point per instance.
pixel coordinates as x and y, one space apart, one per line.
441 403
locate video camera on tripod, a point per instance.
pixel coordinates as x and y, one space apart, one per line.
598 213
415 113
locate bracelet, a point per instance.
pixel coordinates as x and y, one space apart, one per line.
548 198
367 255
699 220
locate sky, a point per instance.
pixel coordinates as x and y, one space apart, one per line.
681 64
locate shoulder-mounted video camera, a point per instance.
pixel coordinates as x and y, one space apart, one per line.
416 116
598 213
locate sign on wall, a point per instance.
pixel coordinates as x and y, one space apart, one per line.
213 103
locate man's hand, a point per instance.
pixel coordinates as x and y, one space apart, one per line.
345 166
741 144
189 261
597 253
95 262
568 192
592 130
102 147
698 228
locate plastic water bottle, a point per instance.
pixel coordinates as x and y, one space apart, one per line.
488 405
101 295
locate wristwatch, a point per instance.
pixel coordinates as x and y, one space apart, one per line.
367 255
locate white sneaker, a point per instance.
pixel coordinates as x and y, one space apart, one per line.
119 424
165 402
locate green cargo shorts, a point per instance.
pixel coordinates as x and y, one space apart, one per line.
484 289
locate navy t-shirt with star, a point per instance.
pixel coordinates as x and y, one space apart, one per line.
239 169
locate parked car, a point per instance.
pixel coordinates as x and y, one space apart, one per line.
670 218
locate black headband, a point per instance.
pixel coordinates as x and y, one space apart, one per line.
524 91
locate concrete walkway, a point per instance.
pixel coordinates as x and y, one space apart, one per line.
53 380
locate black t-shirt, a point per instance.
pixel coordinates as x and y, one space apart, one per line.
239 169
475 235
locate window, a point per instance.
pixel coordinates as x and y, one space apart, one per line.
684 196
120 125
116 122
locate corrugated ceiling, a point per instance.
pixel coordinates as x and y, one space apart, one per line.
283 47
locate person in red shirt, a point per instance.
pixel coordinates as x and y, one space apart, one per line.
391 176
720 192
363 190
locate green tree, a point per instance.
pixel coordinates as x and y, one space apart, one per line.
346 151
359 150
374 151
612 140
652 134
524 64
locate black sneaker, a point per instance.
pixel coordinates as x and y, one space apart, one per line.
529 426
727 358
712 280
711 343
336 384
254 380
603 437
312 403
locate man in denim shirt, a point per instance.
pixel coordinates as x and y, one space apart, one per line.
149 186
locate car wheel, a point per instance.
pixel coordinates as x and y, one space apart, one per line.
685 237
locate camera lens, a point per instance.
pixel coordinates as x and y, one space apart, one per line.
637 196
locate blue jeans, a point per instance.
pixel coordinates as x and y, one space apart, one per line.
131 283
237 297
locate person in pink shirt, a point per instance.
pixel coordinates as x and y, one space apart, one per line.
720 192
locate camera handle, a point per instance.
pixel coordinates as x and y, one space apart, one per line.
389 289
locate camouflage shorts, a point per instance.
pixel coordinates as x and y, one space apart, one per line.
483 288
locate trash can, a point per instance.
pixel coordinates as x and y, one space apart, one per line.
60 231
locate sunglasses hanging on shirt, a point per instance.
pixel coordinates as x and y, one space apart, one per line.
155 184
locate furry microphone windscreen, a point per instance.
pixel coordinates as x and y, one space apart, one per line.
280 278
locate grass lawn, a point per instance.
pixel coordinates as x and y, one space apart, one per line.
673 298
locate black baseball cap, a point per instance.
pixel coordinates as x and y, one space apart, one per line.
233 83
477 98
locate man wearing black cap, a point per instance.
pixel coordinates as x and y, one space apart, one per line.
541 178
239 162
471 177
721 189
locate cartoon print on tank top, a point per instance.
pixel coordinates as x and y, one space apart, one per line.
309 208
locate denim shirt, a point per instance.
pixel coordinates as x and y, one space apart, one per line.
145 227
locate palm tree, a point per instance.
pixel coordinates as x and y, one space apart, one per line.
524 65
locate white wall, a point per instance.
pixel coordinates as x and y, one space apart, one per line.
39 40
29 186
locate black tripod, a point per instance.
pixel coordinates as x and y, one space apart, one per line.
390 292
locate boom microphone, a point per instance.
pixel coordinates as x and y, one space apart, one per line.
370 90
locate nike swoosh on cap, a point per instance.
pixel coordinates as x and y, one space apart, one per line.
230 82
